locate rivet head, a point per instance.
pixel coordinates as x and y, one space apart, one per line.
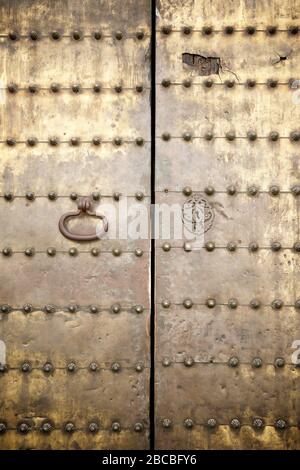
29 252
253 247
5 309
166 423
139 309
187 136
2 428
33 89
72 308
140 35
251 135
12 88
139 196
139 88
75 141
252 190
73 196
52 195
233 361
296 247
166 362
93 367
51 251
229 29
34 35
250 30
139 141
274 136
279 362
210 303
48 367
55 87
7 251
115 308
233 303
274 190
187 303
95 251
166 82
96 140
71 367
27 308
166 303
208 82
235 423
116 196
49 308
117 141
3 368
117 251
11 141
69 427
166 136
166 29
96 195
257 362
188 361
209 190
277 304
230 135
118 35
293 29
250 83
280 424
23 428
138 427
258 423
166 246
208 136
297 304
13 35
76 88
115 367
139 367
295 136
46 427
30 196
271 30
255 304
209 246
231 190
231 246
53 141
55 35
187 83
73 251
187 190
93 428
77 35
229 83
94 309
8 196
186 30
25 367
207 30
138 252
211 423
271 83
188 423
116 427
97 35
187 247
118 88
275 246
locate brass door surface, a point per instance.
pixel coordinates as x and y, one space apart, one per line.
75 121
227 315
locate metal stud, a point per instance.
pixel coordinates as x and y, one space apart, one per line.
75 141
30 196
274 136
118 88
166 136
208 82
54 87
208 136
296 247
166 246
233 361
33 89
139 141
275 246
166 362
117 141
94 309
116 196
295 136
117 251
252 190
3 368
210 303
71 367
95 251
51 251
5 309
166 423
230 135
25 367
46 427
139 88
11 141
73 251
13 35
258 423
139 367
93 428
279 362
231 246
116 427
187 136
93 367
76 88
96 140
188 361
53 141
187 246
23 428
29 252
187 83
12 88
255 304
253 247
250 83
34 35
209 190
96 195
231 190
49 308
72 308
69 427
7 251
277 304
118 35
166 82
297 304
280 424
187 303
188 423
271 30
55 35
229 29
235 423
97 35
139 309
274 190
250 30
27 308
211 423
272 83
187 190
233 303
8 196
166 303
138 427
140 35
207 30
77 35
52 195
209 246
257 362
138 252
293 30
48 367
251 135
229 83
115 367
2 427
166 29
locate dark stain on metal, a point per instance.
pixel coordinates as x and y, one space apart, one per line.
204 65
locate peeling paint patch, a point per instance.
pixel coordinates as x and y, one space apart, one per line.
204 65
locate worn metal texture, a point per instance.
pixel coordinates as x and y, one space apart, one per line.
227 314
75 121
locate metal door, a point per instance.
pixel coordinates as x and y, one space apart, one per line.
74 104
227 315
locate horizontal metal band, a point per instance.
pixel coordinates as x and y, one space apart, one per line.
194 137
98 89
167 362
189 83
234 193
167 29
223 424
119 35
111 141
139 367
196 304
72 309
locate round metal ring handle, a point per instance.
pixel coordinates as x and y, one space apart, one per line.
84 205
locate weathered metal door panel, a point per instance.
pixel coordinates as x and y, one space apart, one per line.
74 111
227 314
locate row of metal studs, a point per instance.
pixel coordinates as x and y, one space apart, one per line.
233 361
273 136
250 83
258 424
252 190
48 426
33 89
229 30
73 251
73 308
48 367
233 246
53 196
76 35
74 141
232 304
